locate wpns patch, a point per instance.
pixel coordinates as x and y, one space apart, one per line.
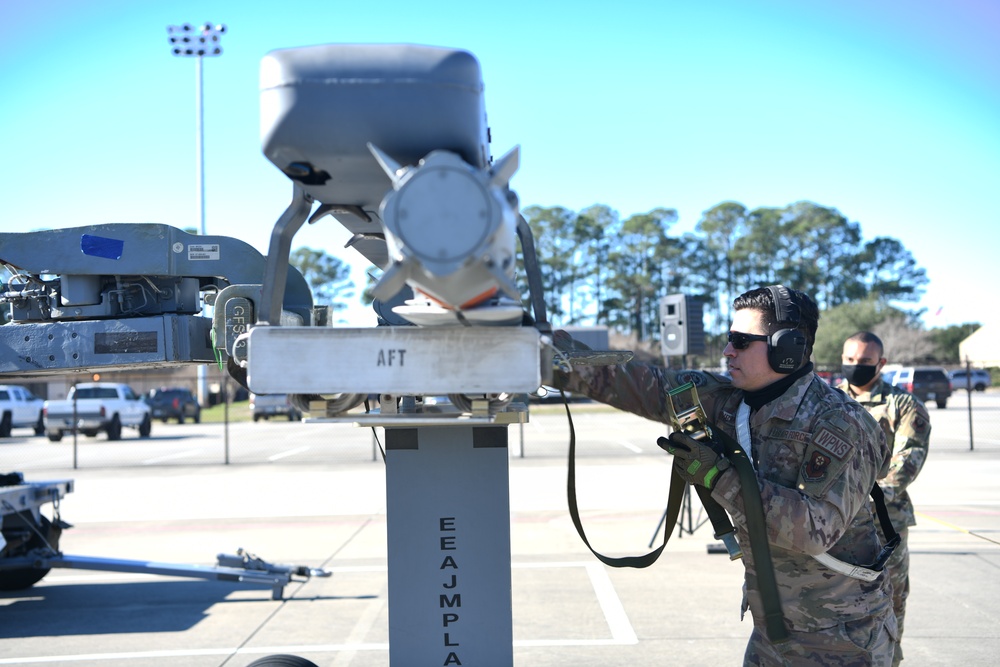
815 467
833 443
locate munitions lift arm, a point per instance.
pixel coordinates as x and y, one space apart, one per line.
123 296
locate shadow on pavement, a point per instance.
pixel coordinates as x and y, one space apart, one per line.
77 609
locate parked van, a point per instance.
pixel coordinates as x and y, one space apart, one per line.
928 383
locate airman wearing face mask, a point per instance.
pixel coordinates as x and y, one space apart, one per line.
907 427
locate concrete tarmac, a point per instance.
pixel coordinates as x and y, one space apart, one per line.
568 608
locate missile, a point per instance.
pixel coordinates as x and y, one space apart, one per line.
451 231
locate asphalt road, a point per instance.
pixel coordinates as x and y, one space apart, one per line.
311 494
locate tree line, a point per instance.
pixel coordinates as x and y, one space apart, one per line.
599 268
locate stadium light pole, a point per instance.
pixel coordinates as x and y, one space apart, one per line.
198 42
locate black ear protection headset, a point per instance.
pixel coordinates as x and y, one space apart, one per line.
786 348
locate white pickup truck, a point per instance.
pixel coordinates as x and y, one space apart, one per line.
265 406
92 407
19 408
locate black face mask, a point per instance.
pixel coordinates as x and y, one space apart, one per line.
859 375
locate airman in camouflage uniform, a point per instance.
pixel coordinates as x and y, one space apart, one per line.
907 428
817 455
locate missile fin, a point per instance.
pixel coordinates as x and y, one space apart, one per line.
393 279
391 168
504 168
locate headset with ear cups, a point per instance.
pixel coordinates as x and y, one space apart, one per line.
786 348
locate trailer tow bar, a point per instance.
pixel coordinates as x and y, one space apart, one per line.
241 567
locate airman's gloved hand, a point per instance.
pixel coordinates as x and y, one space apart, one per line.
695 461
564 345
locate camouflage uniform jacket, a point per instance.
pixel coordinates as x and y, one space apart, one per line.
907 428
817 455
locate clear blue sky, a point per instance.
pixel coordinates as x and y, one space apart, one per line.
888 111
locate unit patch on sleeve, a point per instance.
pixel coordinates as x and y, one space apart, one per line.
694 377
824 459
814 469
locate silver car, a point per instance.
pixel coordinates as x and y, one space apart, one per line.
976 378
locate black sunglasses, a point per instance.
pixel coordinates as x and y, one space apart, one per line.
741 341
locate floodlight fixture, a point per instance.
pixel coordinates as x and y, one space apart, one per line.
201 41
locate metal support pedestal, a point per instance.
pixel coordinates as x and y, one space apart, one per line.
448 520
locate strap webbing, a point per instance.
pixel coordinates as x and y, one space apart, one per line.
883 515
675 499
716 514
892 538
757 531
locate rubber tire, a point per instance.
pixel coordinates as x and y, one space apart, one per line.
54 436
6 425
197 416
180 417
146 427
90 433
942 403
16 580
40 425
115 429
282 660
980 387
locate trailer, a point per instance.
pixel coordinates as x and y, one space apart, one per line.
29 546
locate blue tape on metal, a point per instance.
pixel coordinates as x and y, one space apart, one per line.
99 246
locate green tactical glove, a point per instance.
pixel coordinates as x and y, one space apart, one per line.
695 461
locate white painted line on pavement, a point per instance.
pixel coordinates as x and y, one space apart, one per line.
366 621
101 657
274 650
168 457
571 642
41 463
629 446
614 612
290 452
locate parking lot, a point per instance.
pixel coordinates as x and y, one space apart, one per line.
545 436
314 494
